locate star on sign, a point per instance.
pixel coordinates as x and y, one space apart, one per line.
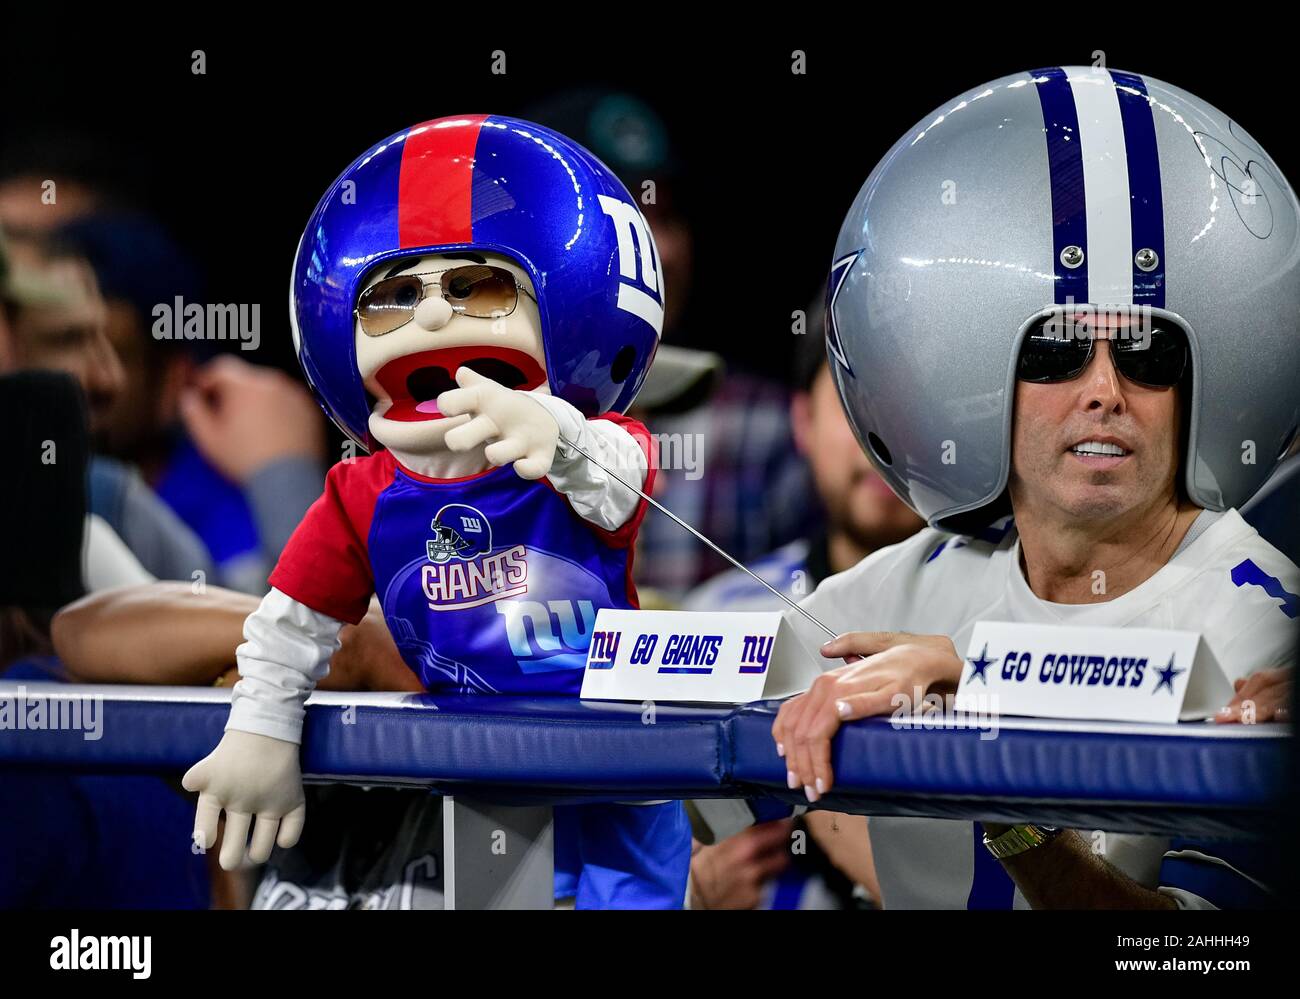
981 663
1167 676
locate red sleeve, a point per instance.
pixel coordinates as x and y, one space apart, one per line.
326 564
626 535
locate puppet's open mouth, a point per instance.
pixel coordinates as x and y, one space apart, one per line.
415 381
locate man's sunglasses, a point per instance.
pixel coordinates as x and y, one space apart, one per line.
472 290
1052 352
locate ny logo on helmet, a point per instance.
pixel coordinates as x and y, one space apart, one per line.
644 296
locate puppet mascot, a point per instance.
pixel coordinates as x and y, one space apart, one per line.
469 297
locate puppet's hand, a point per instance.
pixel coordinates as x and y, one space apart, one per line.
249 777
520 428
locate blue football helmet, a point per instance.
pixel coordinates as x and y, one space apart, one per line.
496 185
459 531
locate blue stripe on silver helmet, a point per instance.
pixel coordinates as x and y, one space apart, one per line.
958 241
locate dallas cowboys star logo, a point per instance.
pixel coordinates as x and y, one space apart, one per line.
981 663
1167 676
839 273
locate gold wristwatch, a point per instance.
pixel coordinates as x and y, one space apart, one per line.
1019 839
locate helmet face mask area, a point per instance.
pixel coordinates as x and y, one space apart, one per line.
1059 190
429 333
452 191
1087 437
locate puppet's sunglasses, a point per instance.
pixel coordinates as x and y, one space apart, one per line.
1056 351
473 290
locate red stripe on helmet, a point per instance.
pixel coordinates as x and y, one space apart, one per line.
433 192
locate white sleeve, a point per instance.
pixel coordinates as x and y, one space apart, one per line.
286 652
106 560
592 492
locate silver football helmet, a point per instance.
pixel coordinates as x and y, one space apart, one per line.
1041 190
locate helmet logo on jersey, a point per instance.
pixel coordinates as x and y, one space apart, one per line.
459 531
839 274
465 572
643 297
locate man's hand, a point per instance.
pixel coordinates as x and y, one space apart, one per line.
243 416
1263 696
731 874
892 663
248 777
521 429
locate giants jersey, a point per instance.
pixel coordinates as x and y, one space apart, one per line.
1225 582
489 583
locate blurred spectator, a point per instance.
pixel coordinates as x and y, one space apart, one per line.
862 513
139 267
70 841
54 174
729 468
236 450
756 867
57 321
25 205
250 466
40 561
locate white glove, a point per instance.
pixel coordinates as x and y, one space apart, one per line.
248 776
525 433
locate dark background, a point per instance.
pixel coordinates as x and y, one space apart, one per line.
235 160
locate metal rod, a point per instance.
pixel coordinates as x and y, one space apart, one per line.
678 520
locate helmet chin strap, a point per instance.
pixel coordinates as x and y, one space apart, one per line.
678 520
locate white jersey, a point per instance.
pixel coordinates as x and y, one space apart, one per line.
1225 582
106 561
786 569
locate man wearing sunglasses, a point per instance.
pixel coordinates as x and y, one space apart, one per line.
1077 463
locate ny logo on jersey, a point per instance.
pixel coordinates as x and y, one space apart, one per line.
643 297
560 633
